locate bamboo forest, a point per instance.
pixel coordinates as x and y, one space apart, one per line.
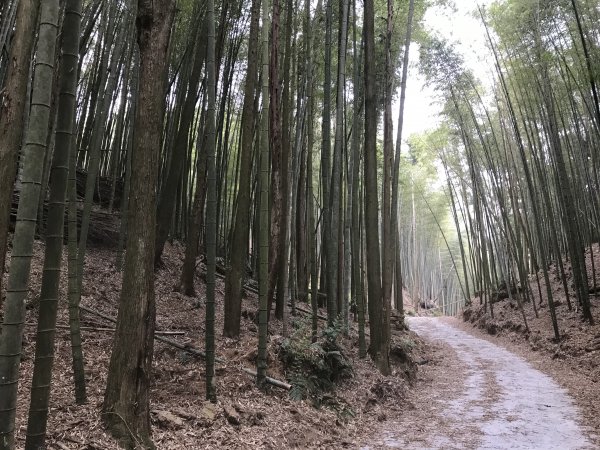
303 224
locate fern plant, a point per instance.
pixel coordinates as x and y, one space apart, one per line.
314 368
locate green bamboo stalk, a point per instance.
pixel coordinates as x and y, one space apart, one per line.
64 145
18 280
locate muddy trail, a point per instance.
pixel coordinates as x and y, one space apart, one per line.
484 397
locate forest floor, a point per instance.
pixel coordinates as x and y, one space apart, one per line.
243 417
453 391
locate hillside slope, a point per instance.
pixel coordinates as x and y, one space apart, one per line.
244 417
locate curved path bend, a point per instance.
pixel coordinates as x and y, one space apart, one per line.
500 403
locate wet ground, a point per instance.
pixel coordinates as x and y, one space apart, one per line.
484 397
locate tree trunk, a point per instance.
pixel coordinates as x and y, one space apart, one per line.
239 235
398 300
388 162
12 111
311 238
196 220
126 408
285 184
211 206
379 315
335 252
276 158
329 245
354 187
263 282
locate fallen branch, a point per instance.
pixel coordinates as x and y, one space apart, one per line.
110 319
298 308
319 294
306 311
175 344
162 333
189 349
97 313
269 380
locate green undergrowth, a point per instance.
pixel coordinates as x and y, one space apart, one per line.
315 368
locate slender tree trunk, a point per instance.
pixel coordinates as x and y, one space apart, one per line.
398 300
379 315
239 236
263 238
329 245
211 206
388 162
355 188
73 283
334 251
275 138
12 112
194 240
312 232
126 408
285 184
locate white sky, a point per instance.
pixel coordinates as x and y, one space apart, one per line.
465 29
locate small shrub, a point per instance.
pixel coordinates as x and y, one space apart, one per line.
314 368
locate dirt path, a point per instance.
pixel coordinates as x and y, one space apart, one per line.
484 397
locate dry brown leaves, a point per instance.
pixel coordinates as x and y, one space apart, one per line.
244 417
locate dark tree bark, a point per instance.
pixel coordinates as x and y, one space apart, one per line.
354 192
329 245
12 110
336 237
263 239
126 409
239 235
275 140
211 206
379 315
285 183
388 162
398 299
196 222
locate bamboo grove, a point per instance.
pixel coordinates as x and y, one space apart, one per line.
249 131
260 135
520 155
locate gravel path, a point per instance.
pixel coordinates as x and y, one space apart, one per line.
496 401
